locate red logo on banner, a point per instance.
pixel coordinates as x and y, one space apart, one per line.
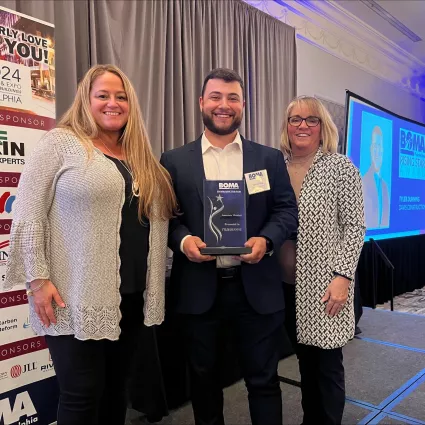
22 119
16 371
5 226
3 254
18 348
9 179
12 298
6 202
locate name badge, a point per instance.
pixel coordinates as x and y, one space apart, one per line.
257 181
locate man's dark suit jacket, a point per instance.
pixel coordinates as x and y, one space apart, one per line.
272 214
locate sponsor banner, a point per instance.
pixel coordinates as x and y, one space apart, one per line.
22 370
19 348
27 64
4 253
14 323
28 393
7 199
35 403
26 120
5 226
9 179
15 145
13 298
15 85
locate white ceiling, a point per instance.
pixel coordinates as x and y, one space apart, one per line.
411 13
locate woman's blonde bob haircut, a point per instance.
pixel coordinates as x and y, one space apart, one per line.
153 180
328 130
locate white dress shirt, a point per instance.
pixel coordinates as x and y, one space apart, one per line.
222 164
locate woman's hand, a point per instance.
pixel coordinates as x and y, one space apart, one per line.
43 300
336 295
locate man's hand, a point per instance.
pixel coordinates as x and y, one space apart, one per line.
191 248
336 295
259 246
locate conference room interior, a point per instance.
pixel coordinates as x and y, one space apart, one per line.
349 54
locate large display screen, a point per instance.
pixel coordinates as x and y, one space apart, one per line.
389 151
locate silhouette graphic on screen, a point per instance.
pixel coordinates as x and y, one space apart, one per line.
377 201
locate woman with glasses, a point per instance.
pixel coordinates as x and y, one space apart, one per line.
319 263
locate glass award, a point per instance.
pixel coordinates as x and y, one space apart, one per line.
224 218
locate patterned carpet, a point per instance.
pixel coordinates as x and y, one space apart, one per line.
410 302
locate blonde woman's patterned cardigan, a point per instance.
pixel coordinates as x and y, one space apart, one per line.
330 238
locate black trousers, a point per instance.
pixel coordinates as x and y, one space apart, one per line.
93 374
322 374
256 338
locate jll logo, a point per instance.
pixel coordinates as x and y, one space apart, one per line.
16 371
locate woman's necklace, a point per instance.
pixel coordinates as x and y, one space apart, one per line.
302 159
300 165
134 185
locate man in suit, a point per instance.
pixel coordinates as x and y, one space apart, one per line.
244 293
375 190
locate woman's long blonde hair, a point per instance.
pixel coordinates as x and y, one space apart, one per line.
153 180
328 131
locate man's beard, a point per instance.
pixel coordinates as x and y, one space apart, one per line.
209 123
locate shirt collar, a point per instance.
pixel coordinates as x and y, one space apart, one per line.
206 144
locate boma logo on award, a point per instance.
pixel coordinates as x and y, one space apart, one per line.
230 185
23 406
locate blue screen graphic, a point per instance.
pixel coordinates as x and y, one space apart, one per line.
390 154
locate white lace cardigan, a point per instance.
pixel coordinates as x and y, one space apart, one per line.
66 225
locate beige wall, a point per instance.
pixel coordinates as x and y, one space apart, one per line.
320 73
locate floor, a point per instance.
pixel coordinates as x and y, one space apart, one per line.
410 302
385 378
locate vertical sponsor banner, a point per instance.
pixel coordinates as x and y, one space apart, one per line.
28 389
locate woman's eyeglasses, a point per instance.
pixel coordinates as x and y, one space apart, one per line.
296 121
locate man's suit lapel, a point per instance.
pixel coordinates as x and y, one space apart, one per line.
249 164
197 165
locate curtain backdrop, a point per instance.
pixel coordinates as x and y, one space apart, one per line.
406 255
166 47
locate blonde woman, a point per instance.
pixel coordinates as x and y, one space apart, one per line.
319 264
89 240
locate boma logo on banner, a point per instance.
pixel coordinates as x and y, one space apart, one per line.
22 406
28 388
32 404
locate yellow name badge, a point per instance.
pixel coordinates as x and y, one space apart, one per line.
257 181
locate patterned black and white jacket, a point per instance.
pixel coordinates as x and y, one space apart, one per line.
330 238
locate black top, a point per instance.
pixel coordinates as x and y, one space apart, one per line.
134 235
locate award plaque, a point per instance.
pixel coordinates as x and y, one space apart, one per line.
224 218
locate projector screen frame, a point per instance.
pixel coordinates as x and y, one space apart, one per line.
348 94
361 99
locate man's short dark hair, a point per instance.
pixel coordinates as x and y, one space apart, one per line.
225 74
